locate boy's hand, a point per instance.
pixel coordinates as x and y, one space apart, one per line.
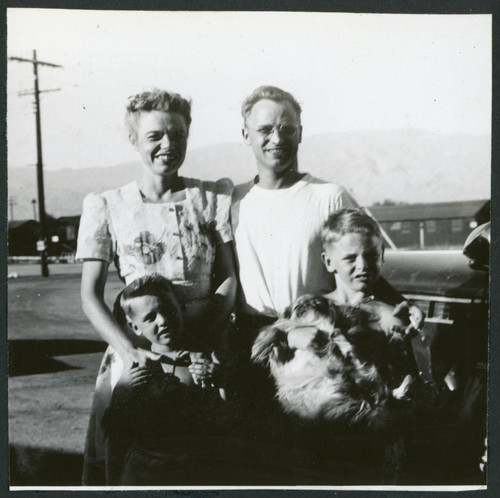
416 316
403 391
203 368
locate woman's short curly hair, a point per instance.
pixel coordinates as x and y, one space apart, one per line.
271 93
155 100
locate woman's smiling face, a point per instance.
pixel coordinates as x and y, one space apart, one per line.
161 140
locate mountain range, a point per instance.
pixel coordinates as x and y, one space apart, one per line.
407 166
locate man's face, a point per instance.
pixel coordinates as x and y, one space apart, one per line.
273 131
158 319
356 260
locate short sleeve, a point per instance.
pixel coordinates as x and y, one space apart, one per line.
224 193
343 199
95 240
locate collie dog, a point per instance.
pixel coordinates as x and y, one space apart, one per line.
342 371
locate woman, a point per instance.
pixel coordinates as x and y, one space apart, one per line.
162 223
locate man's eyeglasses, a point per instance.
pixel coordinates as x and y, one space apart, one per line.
285 131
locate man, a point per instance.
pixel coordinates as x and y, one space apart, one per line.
277 217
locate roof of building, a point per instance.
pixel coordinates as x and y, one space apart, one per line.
431 211
49 220
69 219
18 223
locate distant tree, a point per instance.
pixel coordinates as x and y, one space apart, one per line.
389 202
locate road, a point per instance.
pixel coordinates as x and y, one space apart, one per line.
54 354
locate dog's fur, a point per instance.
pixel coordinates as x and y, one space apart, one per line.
344 374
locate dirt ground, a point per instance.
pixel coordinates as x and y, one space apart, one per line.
54 354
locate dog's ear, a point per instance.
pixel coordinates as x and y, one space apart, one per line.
263 345
270 342
352 321
310 303
287 313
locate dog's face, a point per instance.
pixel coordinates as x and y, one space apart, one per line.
334 375
273 344
340 333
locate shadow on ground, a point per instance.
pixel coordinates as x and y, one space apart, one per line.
39 467
30 357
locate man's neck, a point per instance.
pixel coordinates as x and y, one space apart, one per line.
272 181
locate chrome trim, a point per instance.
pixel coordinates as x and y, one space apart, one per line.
433 319
441 299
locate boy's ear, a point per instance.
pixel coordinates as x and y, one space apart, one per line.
134 328
327 262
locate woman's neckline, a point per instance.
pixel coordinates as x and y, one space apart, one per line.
146 200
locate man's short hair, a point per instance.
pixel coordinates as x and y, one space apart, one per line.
271 93
348 220
155 100
148 285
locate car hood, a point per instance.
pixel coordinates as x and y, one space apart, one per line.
437 273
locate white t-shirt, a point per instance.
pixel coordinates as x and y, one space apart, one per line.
278 242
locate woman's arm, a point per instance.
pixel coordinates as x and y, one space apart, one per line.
222 302
225 278
215 337
94 275
225 284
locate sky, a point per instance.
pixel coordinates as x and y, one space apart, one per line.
350 72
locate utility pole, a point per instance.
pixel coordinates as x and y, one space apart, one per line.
42 243
33 201
12 203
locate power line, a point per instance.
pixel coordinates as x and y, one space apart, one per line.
22 94
42 243
34 61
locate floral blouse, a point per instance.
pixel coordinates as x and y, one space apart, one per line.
176 239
